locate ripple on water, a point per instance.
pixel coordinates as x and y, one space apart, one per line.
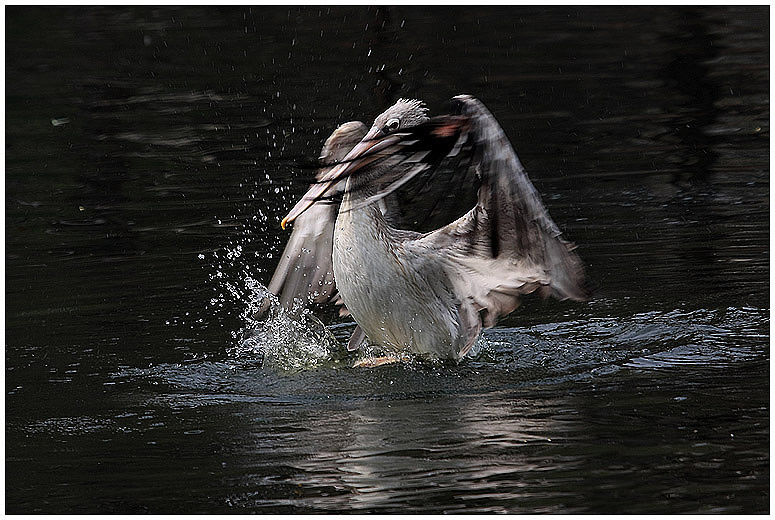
713 338
280 352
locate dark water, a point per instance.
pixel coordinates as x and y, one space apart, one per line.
150 154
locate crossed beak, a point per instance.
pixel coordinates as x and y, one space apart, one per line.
371 148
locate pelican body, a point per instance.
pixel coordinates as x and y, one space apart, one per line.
399 298
428 293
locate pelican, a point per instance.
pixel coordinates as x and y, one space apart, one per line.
423 276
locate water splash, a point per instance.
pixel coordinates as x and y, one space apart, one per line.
285 340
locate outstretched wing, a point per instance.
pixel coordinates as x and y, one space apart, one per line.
305 269
507 245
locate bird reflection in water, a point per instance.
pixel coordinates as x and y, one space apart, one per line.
381 233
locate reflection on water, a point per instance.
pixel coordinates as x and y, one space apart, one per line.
511 431
144 185
426 465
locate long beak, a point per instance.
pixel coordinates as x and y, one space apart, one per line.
315 193
370 149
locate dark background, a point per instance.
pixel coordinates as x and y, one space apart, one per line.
151 152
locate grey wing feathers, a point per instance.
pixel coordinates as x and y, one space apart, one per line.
356 339
305 269
507 245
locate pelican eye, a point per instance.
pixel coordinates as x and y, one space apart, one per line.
392 125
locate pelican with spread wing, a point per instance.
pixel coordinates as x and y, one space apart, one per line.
425 230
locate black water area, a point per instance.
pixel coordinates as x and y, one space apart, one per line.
150 154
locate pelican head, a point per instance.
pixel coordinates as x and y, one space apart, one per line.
403 115
406 113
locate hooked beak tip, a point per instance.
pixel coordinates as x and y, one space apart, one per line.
284 223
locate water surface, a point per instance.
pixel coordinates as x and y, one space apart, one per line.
151 152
